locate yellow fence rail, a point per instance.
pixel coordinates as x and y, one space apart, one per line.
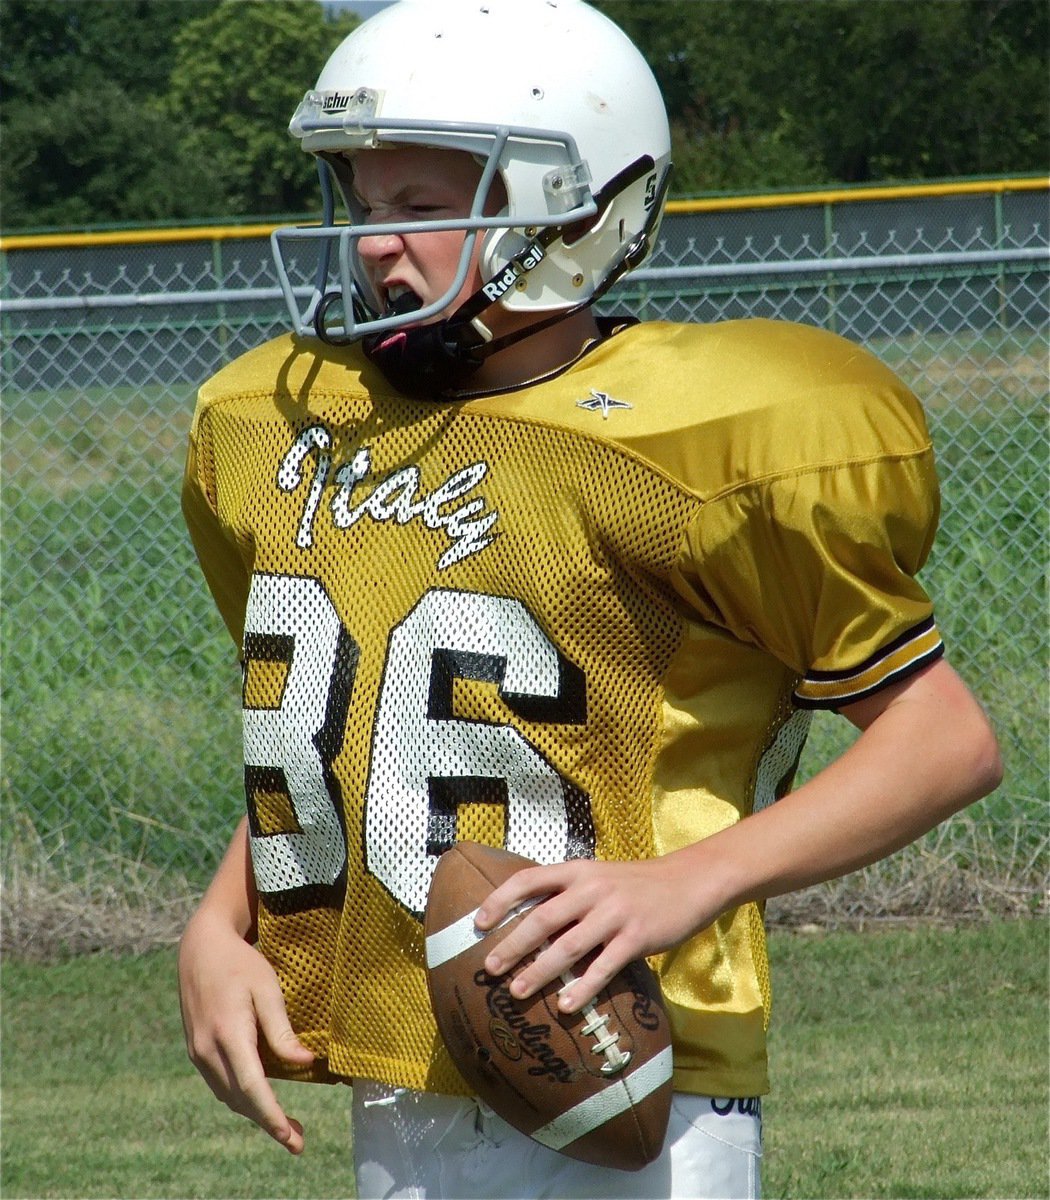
851 195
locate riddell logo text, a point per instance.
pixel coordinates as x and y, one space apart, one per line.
515 269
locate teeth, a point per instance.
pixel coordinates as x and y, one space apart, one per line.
402 300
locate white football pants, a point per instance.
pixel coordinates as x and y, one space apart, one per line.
414 1144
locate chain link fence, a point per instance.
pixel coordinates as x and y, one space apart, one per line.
120 688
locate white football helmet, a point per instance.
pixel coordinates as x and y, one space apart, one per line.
549 94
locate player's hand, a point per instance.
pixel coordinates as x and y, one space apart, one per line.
624 910
231 1001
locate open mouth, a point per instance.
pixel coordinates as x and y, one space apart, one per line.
401 300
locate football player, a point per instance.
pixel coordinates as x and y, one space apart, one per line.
505 570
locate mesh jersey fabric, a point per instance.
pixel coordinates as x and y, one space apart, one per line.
586 617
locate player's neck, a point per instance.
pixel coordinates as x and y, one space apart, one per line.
537 356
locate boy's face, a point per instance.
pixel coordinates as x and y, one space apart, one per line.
418 183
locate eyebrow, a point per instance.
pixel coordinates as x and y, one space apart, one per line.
407 191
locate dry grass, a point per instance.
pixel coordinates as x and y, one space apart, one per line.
120 906
955 875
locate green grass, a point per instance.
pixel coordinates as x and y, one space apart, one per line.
100 1101
119 678
910 1063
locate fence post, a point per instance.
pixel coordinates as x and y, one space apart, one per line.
6 350
829 240
217 268
1000 237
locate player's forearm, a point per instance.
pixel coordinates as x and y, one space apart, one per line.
923 757
231 897
925 752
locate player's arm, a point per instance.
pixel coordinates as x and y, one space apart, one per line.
845 523
925 751
231 999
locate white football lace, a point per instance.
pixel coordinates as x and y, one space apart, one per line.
615 1058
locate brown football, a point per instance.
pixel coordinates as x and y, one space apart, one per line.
595 1085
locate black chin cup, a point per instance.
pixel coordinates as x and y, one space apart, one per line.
426 361
423 362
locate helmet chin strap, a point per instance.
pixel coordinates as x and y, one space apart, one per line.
430 362
434 361
426 361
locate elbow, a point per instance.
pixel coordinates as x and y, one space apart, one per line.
975 759
988 767
982 764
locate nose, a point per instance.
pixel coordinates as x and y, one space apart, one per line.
375 247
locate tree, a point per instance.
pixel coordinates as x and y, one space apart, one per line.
132 110
94 157
163 109
918 90
126 42
791 92
239 73
82 140
716 63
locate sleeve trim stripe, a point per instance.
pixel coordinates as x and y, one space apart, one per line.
831 690
903 640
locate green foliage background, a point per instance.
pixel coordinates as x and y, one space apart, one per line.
783 93
120 111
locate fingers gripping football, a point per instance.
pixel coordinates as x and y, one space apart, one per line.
594 1083
585 907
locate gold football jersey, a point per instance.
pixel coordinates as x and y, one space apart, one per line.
585 617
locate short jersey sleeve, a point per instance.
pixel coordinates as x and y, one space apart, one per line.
811 549
819 569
